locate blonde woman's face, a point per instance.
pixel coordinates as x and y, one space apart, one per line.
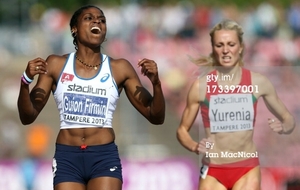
226 47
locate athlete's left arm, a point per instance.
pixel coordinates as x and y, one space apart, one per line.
276 107
152 107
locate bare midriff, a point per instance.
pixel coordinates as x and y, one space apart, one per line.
85 136
230 147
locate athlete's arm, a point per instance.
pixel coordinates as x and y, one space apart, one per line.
276 106
30 103
188 118
151 107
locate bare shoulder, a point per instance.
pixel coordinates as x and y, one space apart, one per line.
203 82
120 63
122 70
56 59
56 63
123 65
200 84
262 82
198 88
202 87
257 78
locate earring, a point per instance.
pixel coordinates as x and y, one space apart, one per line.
73 34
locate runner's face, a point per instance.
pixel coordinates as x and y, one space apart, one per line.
226 47
92 26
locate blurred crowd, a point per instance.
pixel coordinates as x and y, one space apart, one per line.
170 35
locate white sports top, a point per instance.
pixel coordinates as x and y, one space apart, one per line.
86 102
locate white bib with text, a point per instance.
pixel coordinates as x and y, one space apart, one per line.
231 112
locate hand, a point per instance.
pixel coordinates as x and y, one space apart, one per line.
36 66
149 69
204 145
276 125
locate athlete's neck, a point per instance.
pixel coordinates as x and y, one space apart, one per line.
231 75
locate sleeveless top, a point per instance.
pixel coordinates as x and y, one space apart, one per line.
229 108
86 102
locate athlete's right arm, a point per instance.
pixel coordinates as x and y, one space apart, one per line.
188 118
30 103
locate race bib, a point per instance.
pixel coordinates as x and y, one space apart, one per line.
203 171
85 109
231 112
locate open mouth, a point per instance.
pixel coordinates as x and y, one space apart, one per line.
226 58
95 30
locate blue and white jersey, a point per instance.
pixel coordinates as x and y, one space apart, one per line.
86 102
